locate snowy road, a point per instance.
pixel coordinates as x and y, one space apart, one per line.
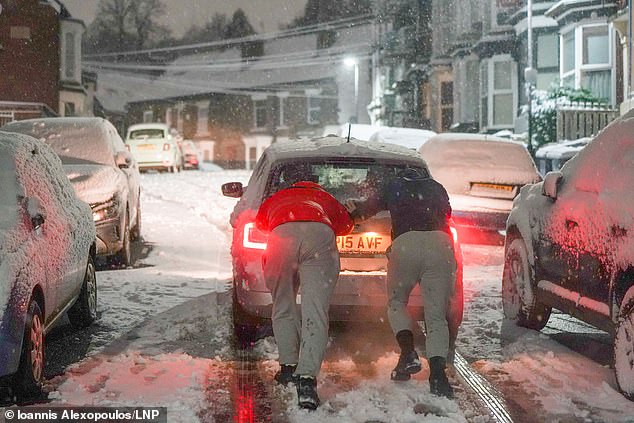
163 338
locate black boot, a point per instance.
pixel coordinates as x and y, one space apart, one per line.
438 382
408 362
307 392
285 374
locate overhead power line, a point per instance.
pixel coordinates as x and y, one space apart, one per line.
332 25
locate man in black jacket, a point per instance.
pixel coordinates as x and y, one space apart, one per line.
422 251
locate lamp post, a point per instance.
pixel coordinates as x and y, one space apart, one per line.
530 74
349 62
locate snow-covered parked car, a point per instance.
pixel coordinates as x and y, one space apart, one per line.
47 248
103 173
482 174
552 156
154 147
407 137
570 245
346 170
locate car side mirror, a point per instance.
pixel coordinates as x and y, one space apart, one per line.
123 159
551 184
232 189
36 212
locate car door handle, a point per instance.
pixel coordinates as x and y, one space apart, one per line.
571 224
618 231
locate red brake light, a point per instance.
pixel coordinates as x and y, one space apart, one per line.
253 238
454 234
166 147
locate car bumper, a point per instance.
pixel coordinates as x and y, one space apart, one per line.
494 221
11 337
357 297
108 237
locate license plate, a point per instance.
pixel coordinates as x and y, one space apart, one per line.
146 146
494 190
364 243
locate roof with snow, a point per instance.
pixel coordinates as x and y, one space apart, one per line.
288 63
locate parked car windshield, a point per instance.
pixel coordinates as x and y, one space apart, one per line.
79 143
342 179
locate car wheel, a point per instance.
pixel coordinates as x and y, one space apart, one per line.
84 312
624 350
519 298
136 230
124 257
28 379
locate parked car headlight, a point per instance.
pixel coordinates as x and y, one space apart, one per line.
105 211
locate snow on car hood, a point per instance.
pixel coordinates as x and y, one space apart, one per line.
95 183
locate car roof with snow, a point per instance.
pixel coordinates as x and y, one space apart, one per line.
314 149
148 126
562 150
334 146
407 137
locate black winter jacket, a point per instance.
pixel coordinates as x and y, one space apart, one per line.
415 203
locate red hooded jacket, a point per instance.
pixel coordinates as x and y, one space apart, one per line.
303 202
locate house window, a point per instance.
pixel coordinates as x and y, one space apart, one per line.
446 104
587 60
69 109
498 92
148 116
259 113
70 55
313 110
547 60
203 118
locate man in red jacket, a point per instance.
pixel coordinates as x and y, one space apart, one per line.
301 255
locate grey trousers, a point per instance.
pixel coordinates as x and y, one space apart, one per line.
301 256
425 257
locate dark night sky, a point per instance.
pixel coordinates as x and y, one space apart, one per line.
264 15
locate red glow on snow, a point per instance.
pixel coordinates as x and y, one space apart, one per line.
245 407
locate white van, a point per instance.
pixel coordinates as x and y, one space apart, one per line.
154 148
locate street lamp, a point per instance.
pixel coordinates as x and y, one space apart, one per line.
349 62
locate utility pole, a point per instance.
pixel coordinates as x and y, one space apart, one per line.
530 75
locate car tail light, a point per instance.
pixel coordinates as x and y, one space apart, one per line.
166 147
454 234
253 238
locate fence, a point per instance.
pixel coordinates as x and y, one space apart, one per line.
580 120
15 110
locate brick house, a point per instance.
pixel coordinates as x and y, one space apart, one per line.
40 60
235 108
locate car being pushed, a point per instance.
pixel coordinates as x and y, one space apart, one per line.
346 169
47 250
103 173
482 174
570 246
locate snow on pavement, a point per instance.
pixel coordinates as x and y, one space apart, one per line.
158 303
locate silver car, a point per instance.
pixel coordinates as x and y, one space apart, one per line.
103 173
47 250
346 169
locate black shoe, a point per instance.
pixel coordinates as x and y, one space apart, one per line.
438 382
408 364
439 385
285 375
307 392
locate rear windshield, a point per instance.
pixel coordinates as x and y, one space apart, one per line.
141 134
74 143
344 180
